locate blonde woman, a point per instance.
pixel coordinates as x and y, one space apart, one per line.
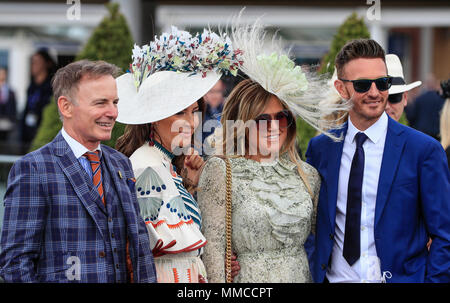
273 210
273 191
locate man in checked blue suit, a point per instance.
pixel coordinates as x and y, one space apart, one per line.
69 218
385 188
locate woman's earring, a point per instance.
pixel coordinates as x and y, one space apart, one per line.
151 137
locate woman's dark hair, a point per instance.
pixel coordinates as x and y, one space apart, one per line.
133 138
49 62
136 135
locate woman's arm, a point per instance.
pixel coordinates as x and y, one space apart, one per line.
211 200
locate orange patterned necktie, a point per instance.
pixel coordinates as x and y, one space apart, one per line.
94 159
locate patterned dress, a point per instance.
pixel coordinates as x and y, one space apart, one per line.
171 215
272 215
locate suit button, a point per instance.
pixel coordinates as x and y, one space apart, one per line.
102 254
117 266
323 266
331 236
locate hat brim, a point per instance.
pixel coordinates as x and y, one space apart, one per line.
161 95
396 89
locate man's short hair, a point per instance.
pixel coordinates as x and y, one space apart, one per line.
358 48
66 80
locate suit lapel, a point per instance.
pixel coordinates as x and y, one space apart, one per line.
76 176
334 164
119 181
392 153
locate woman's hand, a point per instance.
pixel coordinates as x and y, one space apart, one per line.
235 267
193 165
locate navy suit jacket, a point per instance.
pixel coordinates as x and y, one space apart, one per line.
51 214
413 203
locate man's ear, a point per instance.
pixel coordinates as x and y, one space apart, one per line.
65 106
342 90
405 99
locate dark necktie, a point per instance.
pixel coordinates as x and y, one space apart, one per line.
94 159
352 241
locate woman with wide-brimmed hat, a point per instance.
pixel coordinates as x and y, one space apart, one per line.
161 101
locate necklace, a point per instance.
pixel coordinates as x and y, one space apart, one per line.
162 149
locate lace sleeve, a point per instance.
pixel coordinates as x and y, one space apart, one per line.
315 182
315 186
211 200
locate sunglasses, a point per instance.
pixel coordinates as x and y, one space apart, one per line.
284 118
363 85
395 98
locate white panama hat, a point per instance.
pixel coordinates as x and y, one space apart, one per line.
161 95
395 70
171 73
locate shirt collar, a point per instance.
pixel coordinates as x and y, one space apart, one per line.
374 132
77 148
214 110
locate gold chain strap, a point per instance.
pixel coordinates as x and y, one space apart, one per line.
228 223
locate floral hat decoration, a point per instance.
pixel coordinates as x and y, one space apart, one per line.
302 89
172 72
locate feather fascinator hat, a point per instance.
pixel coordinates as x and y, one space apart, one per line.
269 64
171 73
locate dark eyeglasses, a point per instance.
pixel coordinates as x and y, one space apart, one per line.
284 118
363 85
395 98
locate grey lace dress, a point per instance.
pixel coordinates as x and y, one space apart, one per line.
272 215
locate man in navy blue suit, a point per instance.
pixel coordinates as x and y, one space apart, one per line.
385 187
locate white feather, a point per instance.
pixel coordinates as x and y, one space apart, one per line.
311 103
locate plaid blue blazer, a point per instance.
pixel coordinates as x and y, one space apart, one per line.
48 204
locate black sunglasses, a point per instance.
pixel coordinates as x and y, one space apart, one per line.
363 85
395 98
284 118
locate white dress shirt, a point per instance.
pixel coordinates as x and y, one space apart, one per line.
367 267
79 150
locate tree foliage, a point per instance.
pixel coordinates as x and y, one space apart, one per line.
352 28
110 41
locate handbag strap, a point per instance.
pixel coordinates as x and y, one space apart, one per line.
228 201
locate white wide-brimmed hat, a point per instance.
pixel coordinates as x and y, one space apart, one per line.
395 70
171 73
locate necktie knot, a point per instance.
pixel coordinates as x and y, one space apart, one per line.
360 138
94 160
93 156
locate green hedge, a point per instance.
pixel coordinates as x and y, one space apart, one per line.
111 41
352 28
